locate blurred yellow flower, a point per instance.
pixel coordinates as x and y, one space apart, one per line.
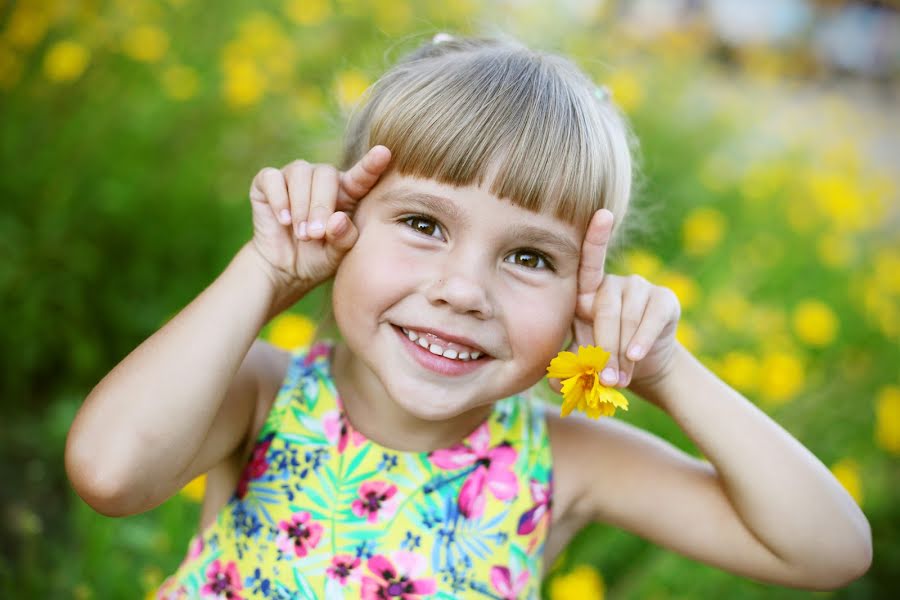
581 387
260 33
145 43
881 309
684 287
65 61
835 250
739 370
307 12
290 331
686 334
815 323
887 418
702 230
847 472
886 267
195 489
781 376
10 68
581 583
180 82
839 198
244 83
151 577
626 90
82 591
392 16
27 24
349 87
730 309
642 262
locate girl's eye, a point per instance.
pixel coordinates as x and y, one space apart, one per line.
530 259
423 225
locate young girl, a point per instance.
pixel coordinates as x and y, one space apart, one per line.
467 232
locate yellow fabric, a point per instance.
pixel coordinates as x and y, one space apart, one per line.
322 512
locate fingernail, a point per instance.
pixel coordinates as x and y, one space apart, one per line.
635 352
285 216
316 226
609 375
301 229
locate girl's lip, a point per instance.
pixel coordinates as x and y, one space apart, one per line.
439 364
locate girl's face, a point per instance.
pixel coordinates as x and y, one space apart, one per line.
468 273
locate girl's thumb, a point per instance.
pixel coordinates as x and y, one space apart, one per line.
340 235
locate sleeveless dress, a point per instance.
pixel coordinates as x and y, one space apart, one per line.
321 512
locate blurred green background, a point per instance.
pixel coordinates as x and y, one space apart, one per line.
132 129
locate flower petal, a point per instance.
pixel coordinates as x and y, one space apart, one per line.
565 365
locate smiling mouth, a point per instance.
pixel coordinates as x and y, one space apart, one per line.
441 347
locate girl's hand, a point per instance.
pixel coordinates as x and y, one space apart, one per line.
295 226
627 316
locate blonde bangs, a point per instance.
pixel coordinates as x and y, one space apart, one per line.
478 111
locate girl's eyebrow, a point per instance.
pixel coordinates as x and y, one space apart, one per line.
524 234
427 202
536 236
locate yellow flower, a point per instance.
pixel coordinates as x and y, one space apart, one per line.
847 472
66 61
349 87
581 387
195 490
626 90
581 582
307 12
146 43
887 419
781 377
702 230
291 331
815 323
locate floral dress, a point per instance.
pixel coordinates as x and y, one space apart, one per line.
321 512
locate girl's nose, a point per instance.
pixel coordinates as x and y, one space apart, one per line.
462 293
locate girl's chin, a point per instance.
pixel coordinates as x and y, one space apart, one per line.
428 404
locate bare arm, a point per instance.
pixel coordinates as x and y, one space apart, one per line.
180 402
763 507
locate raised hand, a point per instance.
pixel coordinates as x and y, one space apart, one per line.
631 318
301 225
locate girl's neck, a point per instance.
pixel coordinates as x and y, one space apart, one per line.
372 412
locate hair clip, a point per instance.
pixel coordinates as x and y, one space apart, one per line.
602 93
441 37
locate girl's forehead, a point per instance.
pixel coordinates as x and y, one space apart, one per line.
465 201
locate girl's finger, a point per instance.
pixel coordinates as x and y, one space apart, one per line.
635 299
299 177
324 192
662 308
268 186
593 252
356 182
607 317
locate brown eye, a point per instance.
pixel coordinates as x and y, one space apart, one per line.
423 225
529 259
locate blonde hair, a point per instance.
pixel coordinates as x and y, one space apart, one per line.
465 110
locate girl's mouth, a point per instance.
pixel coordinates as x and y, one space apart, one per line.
452 360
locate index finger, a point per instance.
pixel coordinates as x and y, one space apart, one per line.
361 177
593 252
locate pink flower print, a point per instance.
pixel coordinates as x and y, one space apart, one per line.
195 548
342 566
222 582
396 582
492 469
504 584
256 466
339 431
315 351
299 534
376 498
543 500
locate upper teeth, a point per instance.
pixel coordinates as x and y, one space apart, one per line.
419 338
